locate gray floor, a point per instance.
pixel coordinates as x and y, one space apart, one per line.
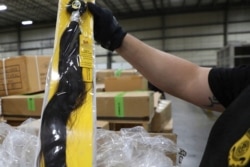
192 126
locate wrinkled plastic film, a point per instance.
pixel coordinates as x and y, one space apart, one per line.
5 129
134 147
131 147
18 146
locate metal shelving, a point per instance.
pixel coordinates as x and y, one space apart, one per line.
233 55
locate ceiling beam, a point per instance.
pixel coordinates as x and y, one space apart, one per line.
40 5
169 3
214 2
125 4
155 4
184 3
175 10
162 4
245 1
140 5
111 5
198 3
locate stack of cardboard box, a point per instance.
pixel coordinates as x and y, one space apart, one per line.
22 79
125 101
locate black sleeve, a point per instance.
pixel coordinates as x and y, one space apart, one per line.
227 83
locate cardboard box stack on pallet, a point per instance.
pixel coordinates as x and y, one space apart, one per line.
22 78
144 144
124 100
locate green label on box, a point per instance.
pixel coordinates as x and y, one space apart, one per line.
31 104
119 105
118 73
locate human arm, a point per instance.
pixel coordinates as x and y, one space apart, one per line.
169 73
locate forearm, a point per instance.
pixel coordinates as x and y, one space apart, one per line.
170 73
166 71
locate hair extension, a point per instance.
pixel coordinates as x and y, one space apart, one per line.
70 94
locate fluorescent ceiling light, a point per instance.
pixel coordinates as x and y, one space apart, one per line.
3 7
27 22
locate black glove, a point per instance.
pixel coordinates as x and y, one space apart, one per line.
107 31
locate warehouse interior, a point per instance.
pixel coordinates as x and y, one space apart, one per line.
211 33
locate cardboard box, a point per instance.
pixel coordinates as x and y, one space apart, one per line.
163 115
102 125
21 107
168 127
101 75
100 87
136 105
126 83
23 74
117 125
157 98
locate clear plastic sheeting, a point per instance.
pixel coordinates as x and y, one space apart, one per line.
5 129
17 147
133 147
130 147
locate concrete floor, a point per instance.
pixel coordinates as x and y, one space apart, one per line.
192 126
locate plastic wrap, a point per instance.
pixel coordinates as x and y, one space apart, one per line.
5 129
133 147
18 147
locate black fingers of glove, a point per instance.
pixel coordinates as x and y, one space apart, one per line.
107 31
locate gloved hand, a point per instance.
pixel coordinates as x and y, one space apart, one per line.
107 31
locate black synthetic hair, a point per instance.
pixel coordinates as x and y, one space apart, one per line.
70 95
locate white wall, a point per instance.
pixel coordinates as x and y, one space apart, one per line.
194 36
